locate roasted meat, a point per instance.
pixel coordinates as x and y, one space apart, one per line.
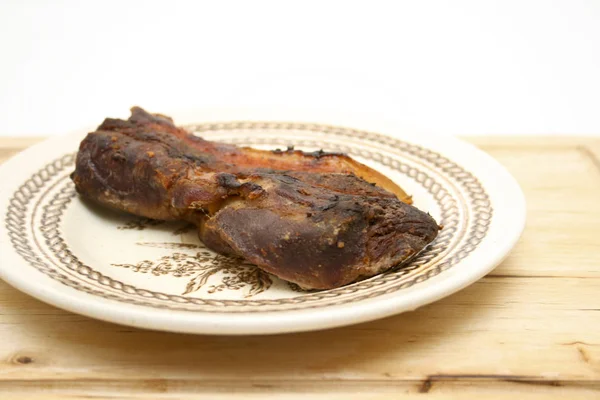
320 220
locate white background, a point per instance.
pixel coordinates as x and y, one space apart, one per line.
455 68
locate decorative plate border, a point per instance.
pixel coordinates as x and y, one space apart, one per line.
482 213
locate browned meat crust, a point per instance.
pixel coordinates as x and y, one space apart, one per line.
305 217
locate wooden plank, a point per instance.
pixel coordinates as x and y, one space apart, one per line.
562 188
525 328
532 327
440 389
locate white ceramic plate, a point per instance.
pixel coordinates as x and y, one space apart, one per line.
128 270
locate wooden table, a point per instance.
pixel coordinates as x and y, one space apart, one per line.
530 329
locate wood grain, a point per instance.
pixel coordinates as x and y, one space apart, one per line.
531 327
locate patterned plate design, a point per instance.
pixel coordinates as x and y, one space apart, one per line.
156 269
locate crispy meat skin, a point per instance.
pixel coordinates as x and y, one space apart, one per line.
304 217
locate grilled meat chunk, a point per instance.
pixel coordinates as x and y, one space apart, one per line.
309 218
